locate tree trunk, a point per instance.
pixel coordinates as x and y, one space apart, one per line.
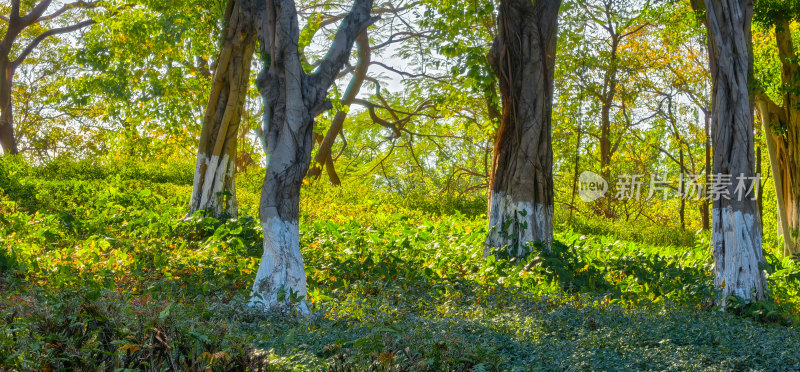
7 139
736 237
324 157
292 99
523 58
783 175
782 131
760 195
576 173
704 210
683 190
214 187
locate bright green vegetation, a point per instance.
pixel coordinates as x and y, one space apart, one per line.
99 269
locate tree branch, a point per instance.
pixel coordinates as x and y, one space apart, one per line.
45 35
353 24
76 5
14 9
35 13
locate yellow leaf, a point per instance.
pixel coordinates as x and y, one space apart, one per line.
131 348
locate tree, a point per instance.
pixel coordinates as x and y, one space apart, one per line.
292 101
782 121
16 24
687 64
523 58
604 69
736 235
214 188
619 27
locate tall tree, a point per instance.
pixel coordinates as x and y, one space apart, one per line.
610 16
736 235
687 64
605 35
523 58
292 101
782 121
16 24
214 188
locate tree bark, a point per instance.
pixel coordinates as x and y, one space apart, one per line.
214 188
736 236
523 58
292 99
7 139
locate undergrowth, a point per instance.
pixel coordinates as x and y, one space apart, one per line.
104 271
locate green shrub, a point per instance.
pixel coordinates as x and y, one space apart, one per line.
11 168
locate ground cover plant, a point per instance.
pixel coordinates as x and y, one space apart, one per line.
108 272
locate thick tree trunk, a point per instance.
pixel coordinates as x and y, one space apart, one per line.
214 187
736 237
292 99
7 139
523 58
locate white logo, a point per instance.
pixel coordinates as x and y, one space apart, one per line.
591 186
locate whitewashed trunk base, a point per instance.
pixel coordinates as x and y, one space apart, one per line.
205 195
532 224
281 269
737 253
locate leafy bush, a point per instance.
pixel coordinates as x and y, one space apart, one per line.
10 184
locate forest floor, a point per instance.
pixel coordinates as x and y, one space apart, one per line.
99 270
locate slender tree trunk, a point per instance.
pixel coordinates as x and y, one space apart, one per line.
292 99
683 200
783 174
736 236
759 197
782 131
7 139
610 82
606 150
523 58
324 157
576 174
214 186
705 209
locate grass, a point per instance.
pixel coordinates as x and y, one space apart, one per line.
103 272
